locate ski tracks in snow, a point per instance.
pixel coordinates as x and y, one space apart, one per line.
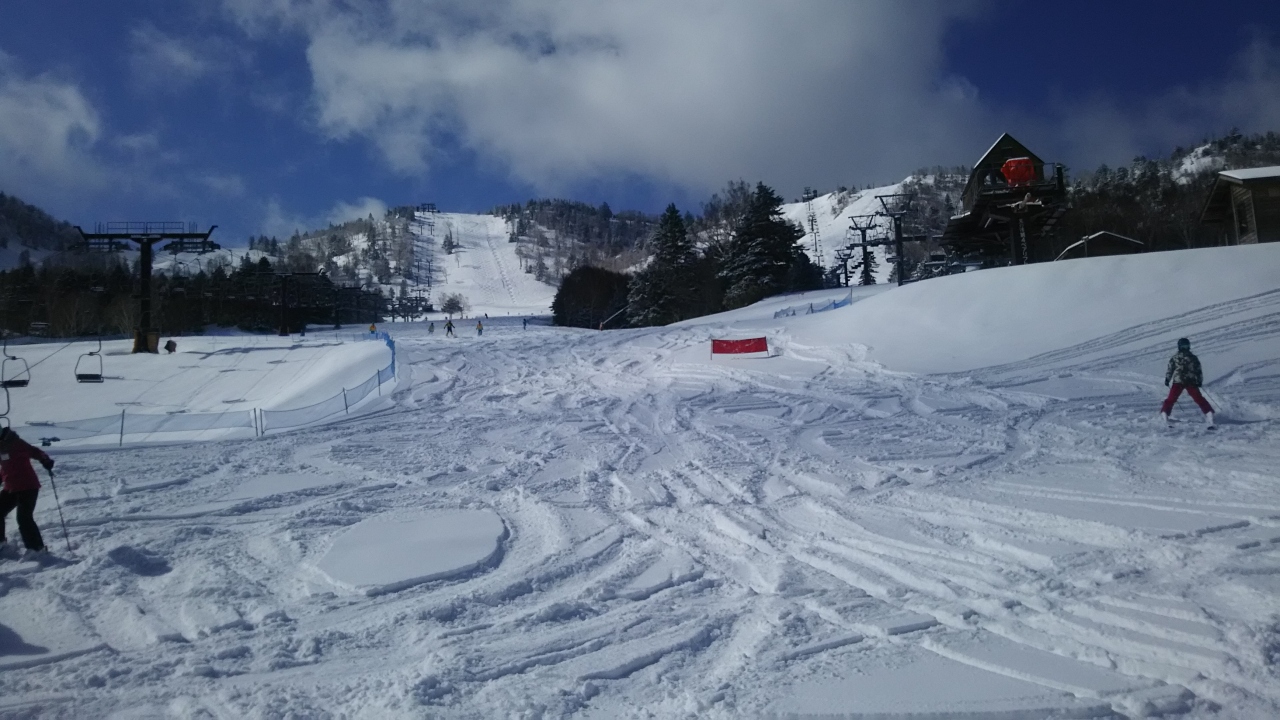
686 539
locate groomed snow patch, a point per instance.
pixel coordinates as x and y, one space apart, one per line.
387 553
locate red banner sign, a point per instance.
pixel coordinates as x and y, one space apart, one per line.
750 345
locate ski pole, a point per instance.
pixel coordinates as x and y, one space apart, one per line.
58 502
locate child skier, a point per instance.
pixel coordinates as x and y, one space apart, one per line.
479 328
1184 371
431 328
20 486
448 328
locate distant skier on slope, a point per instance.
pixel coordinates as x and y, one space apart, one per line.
525 321
20 486
448 328
479 328
431 328
1184 371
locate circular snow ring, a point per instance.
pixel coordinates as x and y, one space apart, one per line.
387 553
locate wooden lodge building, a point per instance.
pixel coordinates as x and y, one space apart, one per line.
1011 208
1246 203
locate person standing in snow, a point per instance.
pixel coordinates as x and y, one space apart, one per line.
431 328
20 486
448 328
373 329
479 328
526 323
1184 372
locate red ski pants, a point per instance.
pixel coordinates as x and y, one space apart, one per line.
1192 390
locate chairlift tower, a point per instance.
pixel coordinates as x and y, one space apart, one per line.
896 206
863 224
112 236
809 195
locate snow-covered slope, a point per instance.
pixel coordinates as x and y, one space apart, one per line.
483 266
832 213
551 522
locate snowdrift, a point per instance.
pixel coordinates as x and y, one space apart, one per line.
991 317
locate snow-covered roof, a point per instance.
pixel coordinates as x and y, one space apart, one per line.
1252 173
1217 205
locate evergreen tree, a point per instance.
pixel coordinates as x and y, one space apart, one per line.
762 252
661 293
588 297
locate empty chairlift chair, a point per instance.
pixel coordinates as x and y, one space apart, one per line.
4 416
89 366
14 371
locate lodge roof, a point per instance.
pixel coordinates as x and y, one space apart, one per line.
1248 174
1004 148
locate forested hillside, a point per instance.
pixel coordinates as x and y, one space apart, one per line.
1158 201
24 228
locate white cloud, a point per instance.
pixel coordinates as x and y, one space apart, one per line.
281 223
228 185
47 131
362 208
160 61
691 93
139 143
685 92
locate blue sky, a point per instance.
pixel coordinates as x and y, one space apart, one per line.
265 116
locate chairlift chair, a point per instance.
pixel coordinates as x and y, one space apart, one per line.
4 416
89 366
14 371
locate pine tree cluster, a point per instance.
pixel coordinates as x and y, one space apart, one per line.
738 252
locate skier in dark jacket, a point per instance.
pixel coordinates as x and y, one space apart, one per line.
448 328
20 486
1184 371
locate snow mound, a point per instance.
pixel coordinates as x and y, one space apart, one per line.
980 319
928 687
388 553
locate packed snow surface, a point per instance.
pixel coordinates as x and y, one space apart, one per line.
483 266
948 500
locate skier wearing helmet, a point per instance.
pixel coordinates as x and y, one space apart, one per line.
1184 372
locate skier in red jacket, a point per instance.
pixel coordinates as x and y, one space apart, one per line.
20 486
